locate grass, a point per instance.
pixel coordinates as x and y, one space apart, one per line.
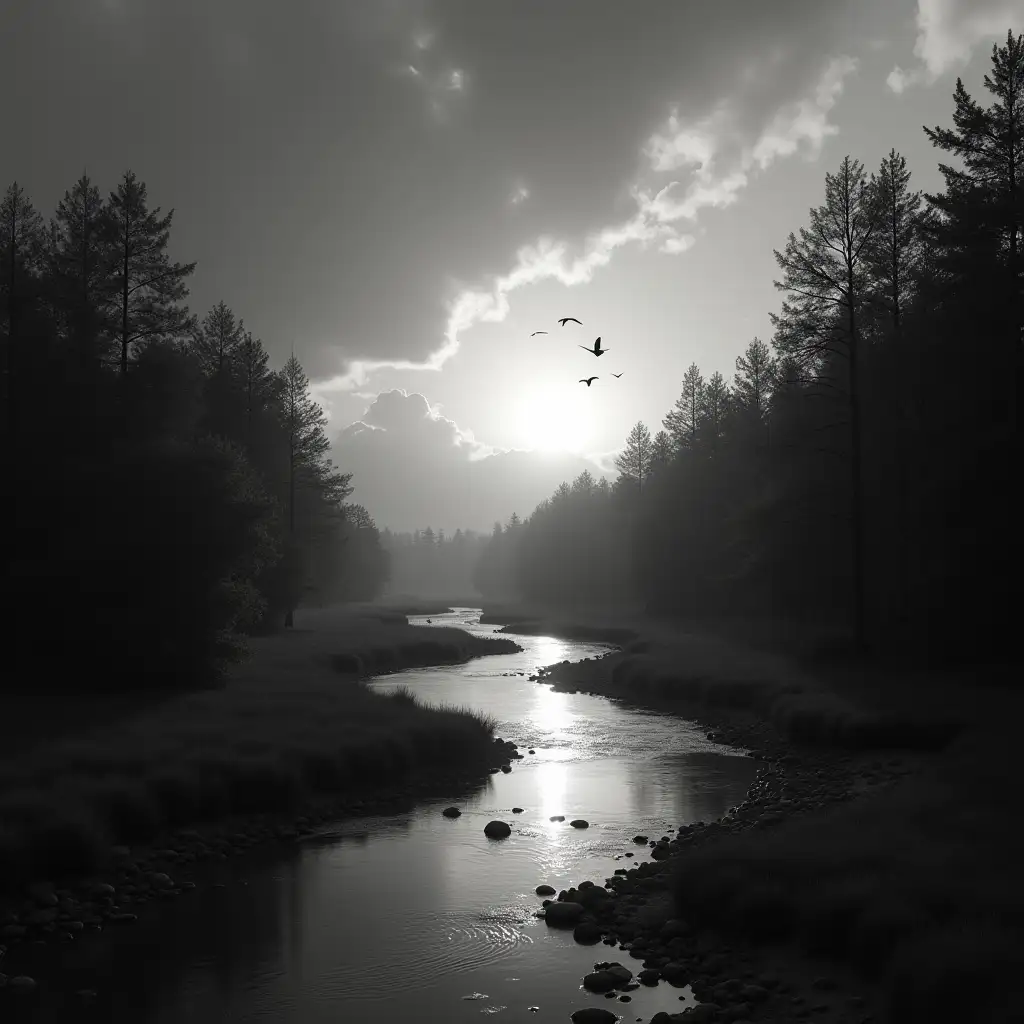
287 726
919 887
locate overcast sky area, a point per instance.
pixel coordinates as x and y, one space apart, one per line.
404 190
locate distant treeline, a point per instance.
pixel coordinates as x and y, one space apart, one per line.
433 564
168 490
861 467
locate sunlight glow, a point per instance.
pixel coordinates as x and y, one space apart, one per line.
551 786
550 714
555 417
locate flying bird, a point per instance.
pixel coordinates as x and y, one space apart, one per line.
589 380
596 350
616 374
535 333
566 319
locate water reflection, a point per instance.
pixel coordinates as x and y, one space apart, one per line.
408 914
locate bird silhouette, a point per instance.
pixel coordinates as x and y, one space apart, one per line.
535 333
616 374
589 380
566 319
596 350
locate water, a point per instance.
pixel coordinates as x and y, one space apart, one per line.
417 915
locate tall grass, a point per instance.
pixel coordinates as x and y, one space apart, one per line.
285 728
919 887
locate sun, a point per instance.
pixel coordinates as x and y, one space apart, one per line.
551 418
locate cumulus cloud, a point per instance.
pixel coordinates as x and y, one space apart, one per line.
719 164
948 32
414 467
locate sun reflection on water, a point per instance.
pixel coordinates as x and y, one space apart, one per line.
550 712
549 650
551 785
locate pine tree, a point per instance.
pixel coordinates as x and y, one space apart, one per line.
634 461
21 252
218 339
825 275
257 383
683 420
714 407
895 256
150 287
310 472
661 452
83 259
982 210
753 383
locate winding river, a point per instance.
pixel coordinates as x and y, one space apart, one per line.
416 916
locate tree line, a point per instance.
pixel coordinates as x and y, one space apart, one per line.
858 468
432 564
169 491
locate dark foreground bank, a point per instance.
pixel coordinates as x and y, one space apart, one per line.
878 842
294 725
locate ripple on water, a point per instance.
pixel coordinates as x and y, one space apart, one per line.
445 944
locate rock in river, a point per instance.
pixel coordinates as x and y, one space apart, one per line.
451 812
545 890
586 933
563 915
580 823
497 830
593 1015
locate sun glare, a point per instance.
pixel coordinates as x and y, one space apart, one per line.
553 419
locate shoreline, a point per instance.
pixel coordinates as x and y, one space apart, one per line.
42 911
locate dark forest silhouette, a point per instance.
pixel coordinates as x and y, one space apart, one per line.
169 491
856 470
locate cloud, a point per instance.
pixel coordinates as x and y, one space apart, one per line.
720 167
413 467
948 32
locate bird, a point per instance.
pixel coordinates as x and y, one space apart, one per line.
535 333
566 319
596 350
616 374
588 381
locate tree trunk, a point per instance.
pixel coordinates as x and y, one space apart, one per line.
856 489
124 309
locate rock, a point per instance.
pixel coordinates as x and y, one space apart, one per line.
640 840
580 823
586 933
159 880
622 975
563 915
545 890
506 768
557 817
531 751
21 983
452 812
497 830
600 981
649 976
517 810
593 1015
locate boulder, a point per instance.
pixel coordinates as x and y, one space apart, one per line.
563 915
580 823
545 890
586 933
452 812
600 981
497 830
593 1015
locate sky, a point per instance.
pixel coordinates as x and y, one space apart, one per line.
404 190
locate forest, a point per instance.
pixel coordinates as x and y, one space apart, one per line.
170 492
857 470
433 564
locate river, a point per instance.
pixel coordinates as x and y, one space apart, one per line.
417 916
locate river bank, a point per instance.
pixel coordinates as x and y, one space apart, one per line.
878 845
97 822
